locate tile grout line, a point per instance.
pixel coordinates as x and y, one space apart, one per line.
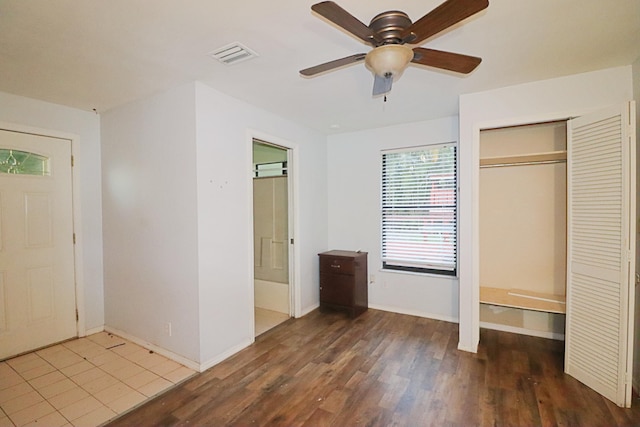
37 391
77 352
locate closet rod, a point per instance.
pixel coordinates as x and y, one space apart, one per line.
502 165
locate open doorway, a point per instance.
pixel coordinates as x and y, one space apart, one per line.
272 285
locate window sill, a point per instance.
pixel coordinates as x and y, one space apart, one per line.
418 273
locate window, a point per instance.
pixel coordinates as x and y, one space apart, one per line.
23 163
419 209
270 169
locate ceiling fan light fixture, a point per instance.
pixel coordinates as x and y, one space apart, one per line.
389 60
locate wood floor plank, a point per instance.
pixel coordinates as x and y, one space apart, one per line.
383 369
320 418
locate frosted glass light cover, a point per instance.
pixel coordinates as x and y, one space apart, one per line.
389 59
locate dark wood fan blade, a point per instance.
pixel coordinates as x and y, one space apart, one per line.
333 64
445 60
345 20
442 17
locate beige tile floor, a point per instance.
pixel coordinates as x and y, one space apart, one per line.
83 382
267 319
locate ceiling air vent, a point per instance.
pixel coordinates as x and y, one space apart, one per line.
233 53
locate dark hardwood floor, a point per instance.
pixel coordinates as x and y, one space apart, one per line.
384 369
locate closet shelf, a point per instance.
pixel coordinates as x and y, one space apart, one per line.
526 159
528 300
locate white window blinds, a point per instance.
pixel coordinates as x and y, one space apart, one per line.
419 209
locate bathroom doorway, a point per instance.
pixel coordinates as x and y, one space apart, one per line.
272 290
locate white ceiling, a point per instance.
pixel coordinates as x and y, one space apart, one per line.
101 54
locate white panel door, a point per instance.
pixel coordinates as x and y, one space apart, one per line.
601 246
37 284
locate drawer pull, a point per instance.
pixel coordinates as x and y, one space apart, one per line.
335 266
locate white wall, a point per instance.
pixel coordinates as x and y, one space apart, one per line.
31 113
150 220
527 103
225 127
178 218
354 167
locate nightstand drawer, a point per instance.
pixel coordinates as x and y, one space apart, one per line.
337 265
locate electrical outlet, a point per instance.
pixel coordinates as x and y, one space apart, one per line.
166 328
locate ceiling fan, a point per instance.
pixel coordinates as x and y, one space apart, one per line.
390 32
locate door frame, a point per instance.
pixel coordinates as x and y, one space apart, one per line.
293 209
469 272
74 140
468 232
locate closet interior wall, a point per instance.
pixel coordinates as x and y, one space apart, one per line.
523 217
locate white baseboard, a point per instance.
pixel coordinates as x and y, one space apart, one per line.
219 358
522 331
199 367
417 313
92 331
308 310
468 349
164 352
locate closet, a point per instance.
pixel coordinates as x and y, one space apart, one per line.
560 229
523 228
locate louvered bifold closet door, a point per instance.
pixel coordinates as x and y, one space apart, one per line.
598 292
